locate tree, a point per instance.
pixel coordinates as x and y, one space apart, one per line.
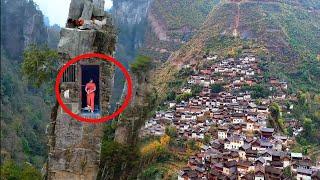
116 159
30 173
275 111
287 171
40 65
141 64
184 73
192 144
164 141
257 91
183 97
195 89
290 131
171 131
307 128
217 88
10 170
207 139
171 96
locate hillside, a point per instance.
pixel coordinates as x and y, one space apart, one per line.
286 34
173 23
25 110
155 28
283 35
24 117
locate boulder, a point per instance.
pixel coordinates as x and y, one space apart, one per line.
98 8
75 9
74 42
87 10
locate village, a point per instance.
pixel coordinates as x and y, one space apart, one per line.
243 144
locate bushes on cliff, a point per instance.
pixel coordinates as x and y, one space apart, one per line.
117 158
183 97
185 73
154 150
306 110
141 64
24 117
40 64
10 170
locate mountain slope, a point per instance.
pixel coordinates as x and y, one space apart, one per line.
24 109
173 23
155 28
286 34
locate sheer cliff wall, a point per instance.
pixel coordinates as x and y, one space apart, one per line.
74 147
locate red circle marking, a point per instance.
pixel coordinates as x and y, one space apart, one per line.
105 58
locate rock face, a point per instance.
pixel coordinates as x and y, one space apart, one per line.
131 18
131 120
85 9
21 25
74 147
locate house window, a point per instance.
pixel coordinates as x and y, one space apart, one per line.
70 74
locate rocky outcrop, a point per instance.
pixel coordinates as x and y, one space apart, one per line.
21 25
130 18
131 12
74 147
158 28
131 120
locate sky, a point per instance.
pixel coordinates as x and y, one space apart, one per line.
57 10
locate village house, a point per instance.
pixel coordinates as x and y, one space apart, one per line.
233 142
242 147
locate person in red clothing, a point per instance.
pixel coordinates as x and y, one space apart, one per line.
90 89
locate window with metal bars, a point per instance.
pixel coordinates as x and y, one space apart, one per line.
70 74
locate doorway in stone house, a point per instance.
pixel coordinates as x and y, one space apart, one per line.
90 72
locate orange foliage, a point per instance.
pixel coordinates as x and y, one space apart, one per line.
155 147
165 140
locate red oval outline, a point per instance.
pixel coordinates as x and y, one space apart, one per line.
105 58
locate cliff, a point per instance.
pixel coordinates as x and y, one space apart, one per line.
74 147
130 19
24 109
21 24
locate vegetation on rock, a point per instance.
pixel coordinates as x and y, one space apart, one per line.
11 171
40 65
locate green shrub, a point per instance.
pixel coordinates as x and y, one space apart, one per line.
11 171
217 88
141 64
183 97
171 96
257 91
